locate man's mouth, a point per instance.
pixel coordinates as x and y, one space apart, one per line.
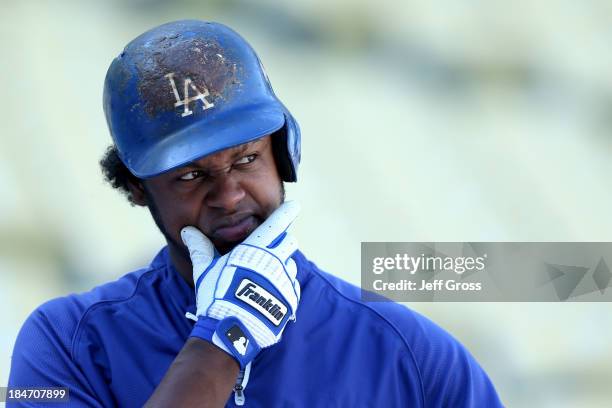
236 231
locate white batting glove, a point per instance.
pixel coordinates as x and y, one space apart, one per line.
246 298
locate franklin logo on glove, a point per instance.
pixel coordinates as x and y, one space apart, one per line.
260 299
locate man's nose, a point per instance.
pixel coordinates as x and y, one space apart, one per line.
226 192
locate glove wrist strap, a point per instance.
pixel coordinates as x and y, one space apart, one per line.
230 335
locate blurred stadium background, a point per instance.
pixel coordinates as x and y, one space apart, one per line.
422 121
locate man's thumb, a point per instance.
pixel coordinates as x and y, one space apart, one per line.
201 250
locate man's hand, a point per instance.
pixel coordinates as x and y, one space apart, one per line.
244 301
246 298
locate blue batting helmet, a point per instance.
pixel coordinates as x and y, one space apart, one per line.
190 88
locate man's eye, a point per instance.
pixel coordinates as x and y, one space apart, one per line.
192 175
246 159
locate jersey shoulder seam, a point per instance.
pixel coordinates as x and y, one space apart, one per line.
90 308
393 327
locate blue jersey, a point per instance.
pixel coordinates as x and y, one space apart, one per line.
112 346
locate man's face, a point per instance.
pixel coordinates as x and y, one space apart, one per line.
225 195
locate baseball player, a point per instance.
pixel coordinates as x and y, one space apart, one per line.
230 312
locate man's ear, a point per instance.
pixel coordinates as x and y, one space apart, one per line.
137 192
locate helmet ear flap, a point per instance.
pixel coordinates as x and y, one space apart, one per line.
286 148
281 155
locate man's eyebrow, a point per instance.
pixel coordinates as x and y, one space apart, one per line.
238 150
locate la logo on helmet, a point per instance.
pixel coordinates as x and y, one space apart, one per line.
186 99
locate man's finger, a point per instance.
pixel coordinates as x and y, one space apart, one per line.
275 225
201 250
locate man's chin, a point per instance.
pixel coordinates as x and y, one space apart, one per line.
225 247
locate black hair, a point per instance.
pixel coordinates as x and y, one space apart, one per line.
116 173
